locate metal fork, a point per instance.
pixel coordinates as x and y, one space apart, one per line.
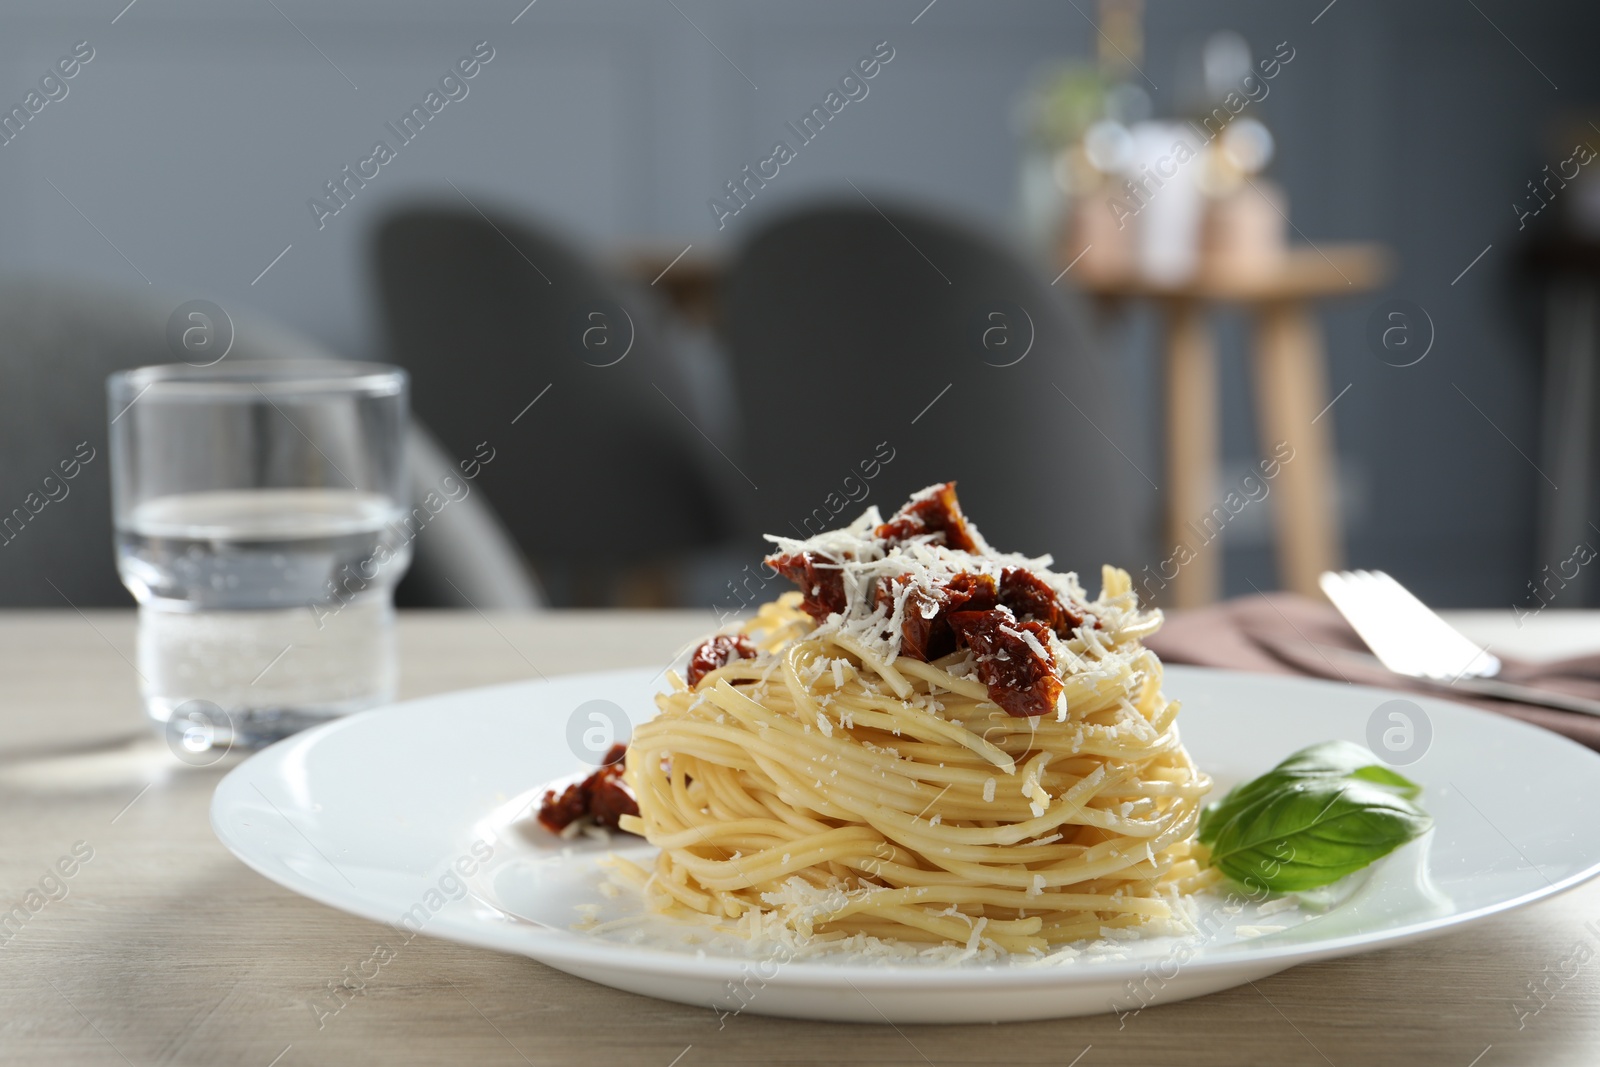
1410 639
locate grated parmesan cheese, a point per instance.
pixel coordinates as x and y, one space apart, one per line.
1258 931
862 561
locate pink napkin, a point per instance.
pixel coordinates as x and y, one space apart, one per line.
1282 633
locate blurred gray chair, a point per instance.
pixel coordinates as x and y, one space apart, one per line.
58 342
856 335
512 337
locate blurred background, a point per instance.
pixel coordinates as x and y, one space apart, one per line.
980 255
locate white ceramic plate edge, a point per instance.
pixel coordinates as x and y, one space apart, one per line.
578 952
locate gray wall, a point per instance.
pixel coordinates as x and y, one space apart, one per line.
195 136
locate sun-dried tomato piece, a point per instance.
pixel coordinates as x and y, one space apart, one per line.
717 652
922 610
970 592
936 512
602 797
1020 679
1031 597
925 634
609 800
556 812
820 580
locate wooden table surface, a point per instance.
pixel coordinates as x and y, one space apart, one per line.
167 950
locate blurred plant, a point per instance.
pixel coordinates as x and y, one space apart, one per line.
1062 103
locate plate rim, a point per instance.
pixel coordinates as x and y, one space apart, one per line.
562 947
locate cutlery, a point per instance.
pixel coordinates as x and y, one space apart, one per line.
1409 638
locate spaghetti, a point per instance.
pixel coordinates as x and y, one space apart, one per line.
929 742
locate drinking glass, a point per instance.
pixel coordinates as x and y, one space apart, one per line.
258 510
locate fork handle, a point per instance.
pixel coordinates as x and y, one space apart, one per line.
1523 694
1489 687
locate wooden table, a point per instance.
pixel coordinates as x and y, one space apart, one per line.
1291 400
168 950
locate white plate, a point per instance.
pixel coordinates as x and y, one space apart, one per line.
390 815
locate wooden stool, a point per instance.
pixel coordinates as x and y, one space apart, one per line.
1291 400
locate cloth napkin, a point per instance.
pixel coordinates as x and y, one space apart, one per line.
1281 633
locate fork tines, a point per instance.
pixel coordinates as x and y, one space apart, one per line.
1403 632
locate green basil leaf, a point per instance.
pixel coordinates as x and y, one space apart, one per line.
1385 777
1241 796
1347 759
1205 832
1312 831
1330 759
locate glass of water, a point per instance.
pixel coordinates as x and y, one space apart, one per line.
259 514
